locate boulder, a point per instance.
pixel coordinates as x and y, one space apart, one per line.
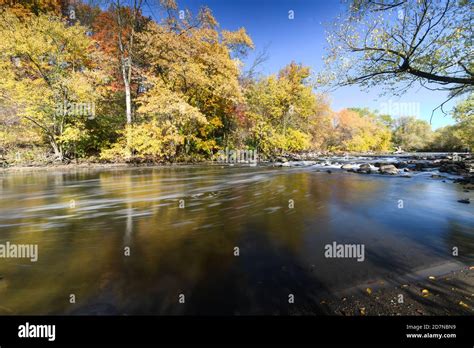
401 165
364 168
347 166
281 159
419 166
453 168
388 169
465 181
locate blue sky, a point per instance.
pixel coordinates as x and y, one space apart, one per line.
302 40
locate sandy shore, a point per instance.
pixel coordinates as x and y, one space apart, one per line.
419 294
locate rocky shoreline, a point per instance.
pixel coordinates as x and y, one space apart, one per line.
458 168
462 165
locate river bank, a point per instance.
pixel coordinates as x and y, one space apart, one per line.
449 293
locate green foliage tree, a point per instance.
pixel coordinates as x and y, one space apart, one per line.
412 134
464 116
448 139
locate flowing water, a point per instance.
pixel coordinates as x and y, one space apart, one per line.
182 225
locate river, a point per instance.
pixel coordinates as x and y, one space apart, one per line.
233 240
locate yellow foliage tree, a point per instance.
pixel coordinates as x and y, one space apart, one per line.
192 77
359 131
49 71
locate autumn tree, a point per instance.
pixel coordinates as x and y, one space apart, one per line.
191 72
279 107
116 29
319 124
47 66
23 8
128 20
359 130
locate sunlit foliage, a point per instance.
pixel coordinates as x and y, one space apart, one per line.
173 88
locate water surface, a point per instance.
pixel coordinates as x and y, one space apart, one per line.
82 220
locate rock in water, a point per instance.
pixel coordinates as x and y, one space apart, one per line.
388 169
347 166
401 165
465 201
364 168
457 168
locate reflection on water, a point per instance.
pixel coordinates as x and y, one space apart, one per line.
190 250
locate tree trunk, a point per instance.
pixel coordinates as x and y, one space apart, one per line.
128 100
58 153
